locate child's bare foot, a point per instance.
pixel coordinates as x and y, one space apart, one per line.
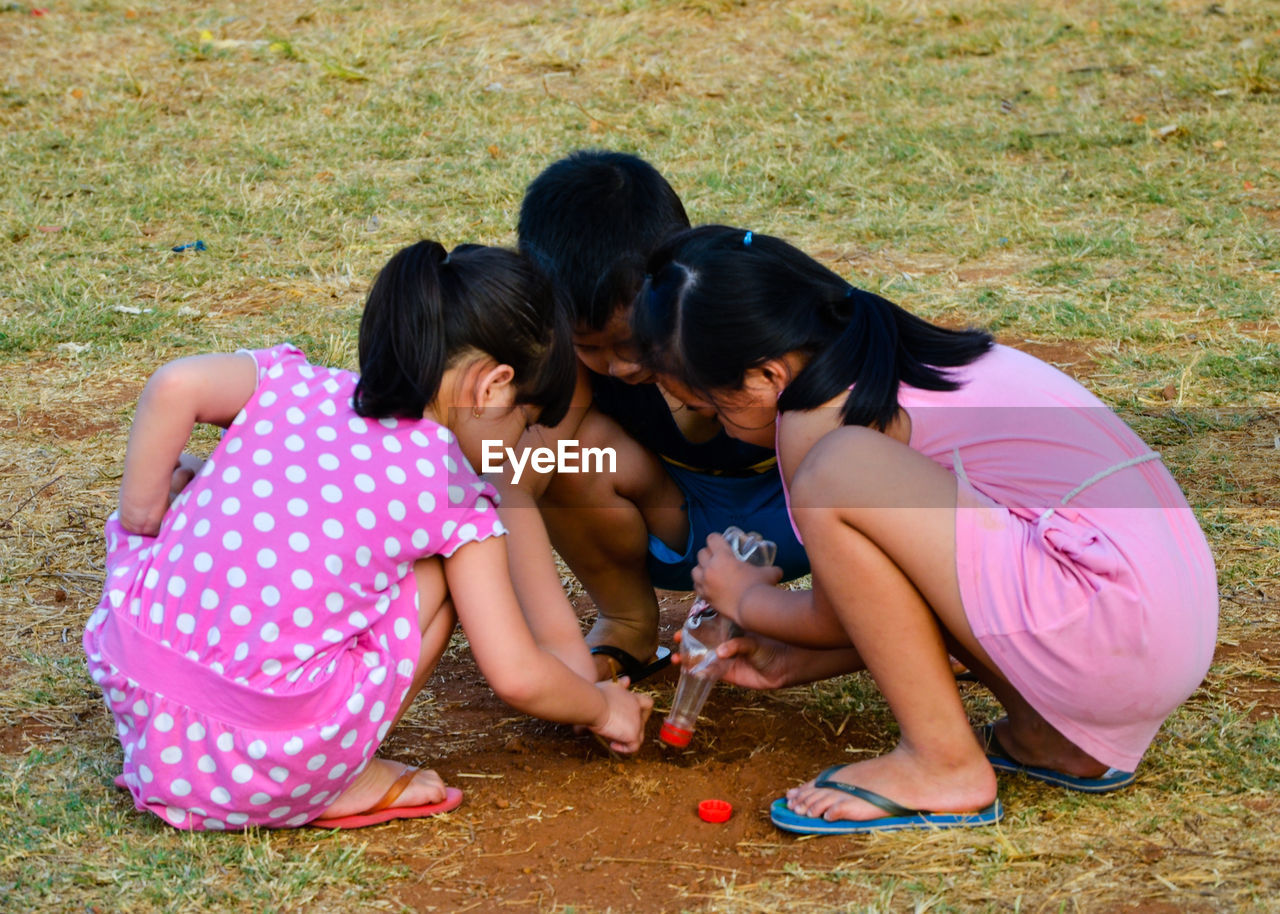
372 784
904 778
1034 743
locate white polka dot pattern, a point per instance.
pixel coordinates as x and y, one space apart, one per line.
286 565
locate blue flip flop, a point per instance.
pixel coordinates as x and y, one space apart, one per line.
898 818
1112 779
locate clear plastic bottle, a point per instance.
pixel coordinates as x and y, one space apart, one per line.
704 630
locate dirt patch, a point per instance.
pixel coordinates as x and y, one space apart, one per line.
1252 680
1263 329
1072 356
1267 214
71 426
18 738
983 274
550 818
44 403
263 300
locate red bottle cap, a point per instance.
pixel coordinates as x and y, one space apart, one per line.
715 810
674 736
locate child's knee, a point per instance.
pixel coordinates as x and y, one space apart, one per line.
435 640
436 615
433 593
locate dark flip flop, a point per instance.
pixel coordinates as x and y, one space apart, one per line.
634 669
998 756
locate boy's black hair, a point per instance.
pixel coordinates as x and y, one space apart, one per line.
721 301
428 307
590 220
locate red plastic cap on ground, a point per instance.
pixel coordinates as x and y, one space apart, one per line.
674 736
715 810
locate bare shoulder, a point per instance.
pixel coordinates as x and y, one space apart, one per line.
800 431
200 368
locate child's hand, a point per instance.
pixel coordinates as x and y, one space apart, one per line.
755 662
625 716
723 580
187 468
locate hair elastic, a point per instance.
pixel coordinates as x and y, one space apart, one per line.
746 240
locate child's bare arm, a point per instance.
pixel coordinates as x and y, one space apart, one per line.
537 583
520 672
207 388
756 662
747 594
533 571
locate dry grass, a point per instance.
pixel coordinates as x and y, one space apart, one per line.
1100 179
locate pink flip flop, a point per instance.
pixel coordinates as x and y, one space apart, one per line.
383 811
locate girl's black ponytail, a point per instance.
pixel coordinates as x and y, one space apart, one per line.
429 306
862 354
403 344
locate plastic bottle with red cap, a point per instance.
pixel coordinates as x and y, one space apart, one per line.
704 630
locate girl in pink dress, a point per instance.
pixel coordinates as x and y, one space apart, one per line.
259 636
954 496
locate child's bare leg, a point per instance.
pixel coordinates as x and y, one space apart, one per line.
1025 735
883 546
436 618
881 567
436 621
600 524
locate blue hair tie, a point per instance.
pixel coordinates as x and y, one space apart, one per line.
848 292
746 240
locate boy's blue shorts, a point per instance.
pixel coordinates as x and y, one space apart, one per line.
714 503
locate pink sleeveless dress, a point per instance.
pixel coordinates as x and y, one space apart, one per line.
1082 569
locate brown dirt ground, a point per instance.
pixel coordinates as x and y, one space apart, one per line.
556 820
553 819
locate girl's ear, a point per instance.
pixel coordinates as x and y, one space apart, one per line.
773 375
495 386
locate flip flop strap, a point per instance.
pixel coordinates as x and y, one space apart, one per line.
393 792
825 782
626 664
629 666
992 745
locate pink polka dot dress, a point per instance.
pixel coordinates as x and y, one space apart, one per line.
256 651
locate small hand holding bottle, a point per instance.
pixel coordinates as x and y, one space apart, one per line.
723 576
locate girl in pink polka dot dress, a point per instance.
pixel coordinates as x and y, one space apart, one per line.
259 636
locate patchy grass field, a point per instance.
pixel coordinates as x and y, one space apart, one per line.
1097 182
